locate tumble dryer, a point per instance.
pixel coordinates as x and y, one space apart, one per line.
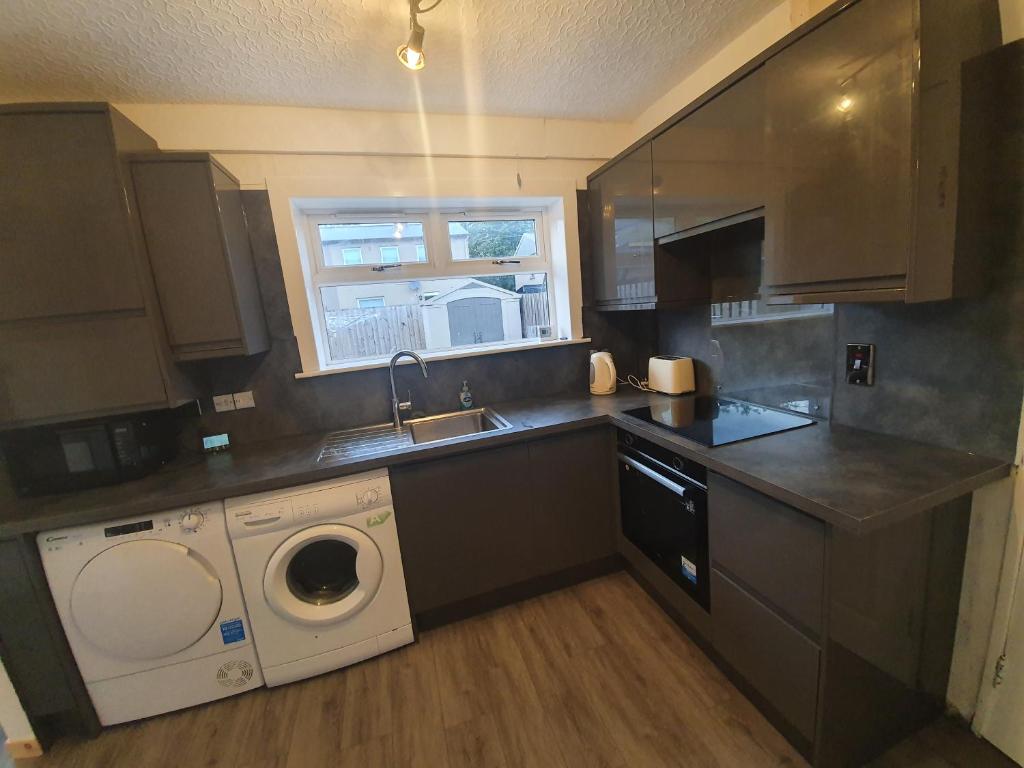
152 610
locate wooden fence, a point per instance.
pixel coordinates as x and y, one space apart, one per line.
534 310
377 332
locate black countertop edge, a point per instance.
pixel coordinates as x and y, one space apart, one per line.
826 471
823 511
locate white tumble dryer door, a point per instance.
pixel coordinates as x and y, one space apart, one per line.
145 600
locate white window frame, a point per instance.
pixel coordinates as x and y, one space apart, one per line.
344 260
359 302
439 264
397 253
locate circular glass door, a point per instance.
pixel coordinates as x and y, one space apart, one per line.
323 574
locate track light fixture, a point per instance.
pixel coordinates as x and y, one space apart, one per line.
411 54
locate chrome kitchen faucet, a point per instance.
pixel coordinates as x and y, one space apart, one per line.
396 406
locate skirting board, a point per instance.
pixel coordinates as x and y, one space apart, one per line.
21 748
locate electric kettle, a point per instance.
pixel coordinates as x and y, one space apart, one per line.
602 373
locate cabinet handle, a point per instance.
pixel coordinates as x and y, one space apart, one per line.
677 489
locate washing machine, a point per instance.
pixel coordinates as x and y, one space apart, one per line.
321 571
152 610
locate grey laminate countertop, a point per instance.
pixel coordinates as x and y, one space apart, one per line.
853 479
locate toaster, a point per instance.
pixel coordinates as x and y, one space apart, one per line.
670 374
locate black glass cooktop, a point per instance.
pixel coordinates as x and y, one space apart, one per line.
715 421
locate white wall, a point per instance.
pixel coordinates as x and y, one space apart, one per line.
12 716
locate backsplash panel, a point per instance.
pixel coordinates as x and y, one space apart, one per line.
288 406
783 362
948 373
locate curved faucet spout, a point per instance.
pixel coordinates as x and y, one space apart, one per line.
396 406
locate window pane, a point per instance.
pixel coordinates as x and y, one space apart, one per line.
387 242
494 239
375 320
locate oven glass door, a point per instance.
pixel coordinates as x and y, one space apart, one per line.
669 528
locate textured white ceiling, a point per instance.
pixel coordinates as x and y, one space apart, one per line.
603 59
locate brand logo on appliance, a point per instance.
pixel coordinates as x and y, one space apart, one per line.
374 520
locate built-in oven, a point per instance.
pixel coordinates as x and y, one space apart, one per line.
664 507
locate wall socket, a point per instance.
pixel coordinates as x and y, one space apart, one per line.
244 400
860 364
223 403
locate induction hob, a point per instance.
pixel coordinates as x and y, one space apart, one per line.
713 421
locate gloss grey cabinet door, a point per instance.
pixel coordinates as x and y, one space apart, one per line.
622 232
198 247
710 165
65 240
839 152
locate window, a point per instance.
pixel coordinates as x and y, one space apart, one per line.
344 243
492 239
444 281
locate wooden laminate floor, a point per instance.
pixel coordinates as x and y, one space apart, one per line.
595 675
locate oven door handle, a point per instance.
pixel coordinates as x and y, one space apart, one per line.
661 480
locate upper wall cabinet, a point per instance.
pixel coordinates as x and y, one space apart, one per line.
198 246
862 124
709 166
621 212
64 229
80 328
846 140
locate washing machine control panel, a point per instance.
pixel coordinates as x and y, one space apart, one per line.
261 513
368 497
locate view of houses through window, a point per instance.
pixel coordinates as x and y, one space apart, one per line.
431 283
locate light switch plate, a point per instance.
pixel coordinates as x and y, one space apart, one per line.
244 400
223 403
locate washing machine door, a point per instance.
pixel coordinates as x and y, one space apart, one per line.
145 599
323 574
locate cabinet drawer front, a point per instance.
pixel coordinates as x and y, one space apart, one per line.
776 659
775 550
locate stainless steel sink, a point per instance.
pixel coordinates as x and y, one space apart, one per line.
446 426
352 444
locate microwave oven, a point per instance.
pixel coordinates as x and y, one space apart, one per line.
71 457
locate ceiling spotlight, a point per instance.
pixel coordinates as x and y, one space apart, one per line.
845 104
411 54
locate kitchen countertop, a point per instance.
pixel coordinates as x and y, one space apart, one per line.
857 480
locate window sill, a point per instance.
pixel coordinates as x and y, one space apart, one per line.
365 365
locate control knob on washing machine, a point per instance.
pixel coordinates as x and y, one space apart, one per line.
192 521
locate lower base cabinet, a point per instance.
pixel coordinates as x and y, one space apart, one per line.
778 661
473 525
843 640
